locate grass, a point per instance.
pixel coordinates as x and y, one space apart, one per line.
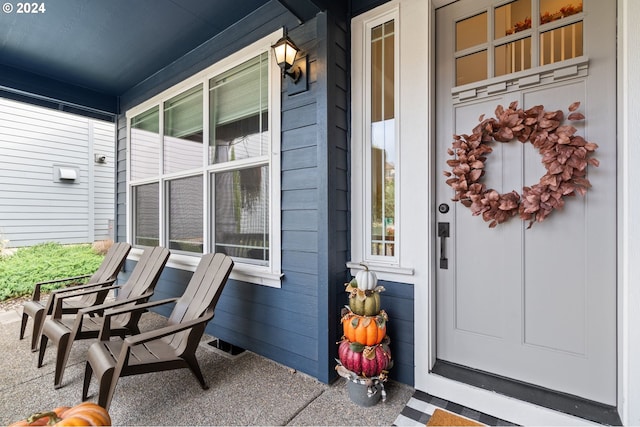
46 261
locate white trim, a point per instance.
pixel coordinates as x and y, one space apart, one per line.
361 135
629 208
264 275
412 131
380 269
242 272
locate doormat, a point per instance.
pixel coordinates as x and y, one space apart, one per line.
422 405
445 418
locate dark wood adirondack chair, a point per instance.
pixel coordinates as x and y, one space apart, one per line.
170 347
105 275
87 323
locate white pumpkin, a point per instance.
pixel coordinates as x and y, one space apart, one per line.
366 279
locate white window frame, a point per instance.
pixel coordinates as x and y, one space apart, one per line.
388 267
271 274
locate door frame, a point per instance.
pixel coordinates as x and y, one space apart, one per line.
628 275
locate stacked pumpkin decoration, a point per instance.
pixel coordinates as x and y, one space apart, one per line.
364 354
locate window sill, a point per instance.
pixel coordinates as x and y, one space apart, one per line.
383 271
242 272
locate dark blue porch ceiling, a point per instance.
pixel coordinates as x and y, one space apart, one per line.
92 51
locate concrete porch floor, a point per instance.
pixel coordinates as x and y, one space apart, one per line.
243 390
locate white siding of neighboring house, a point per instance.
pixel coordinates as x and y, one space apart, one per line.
37 207
104 184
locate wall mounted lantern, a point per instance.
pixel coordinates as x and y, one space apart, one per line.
285 52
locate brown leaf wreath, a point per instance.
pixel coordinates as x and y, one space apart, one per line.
565 156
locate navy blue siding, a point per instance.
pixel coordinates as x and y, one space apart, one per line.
398 302
297 324
282 324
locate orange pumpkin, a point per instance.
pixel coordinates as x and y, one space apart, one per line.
366 330
84 414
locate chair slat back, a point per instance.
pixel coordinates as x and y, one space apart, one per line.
202 293
112 263
145 274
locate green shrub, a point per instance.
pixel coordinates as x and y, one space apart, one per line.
46 261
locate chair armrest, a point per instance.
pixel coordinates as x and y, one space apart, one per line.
105 333
139 307
85 286
113 304
59 298
37 286
165 331
51 301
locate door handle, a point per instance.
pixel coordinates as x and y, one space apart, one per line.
443 233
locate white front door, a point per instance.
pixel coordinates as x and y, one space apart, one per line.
536 305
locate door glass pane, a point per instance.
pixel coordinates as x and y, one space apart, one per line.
471 31
183 131
512 57
238 112
185 214
383 140
145 145
512 18
552 10
241 205
561 44
146 218
471 68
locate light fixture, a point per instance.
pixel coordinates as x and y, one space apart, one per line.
285 52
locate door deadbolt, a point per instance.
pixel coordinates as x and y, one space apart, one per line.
443 208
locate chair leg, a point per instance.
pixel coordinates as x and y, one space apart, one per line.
38 315
107 388
192 362
101 363
43 347
88 372
23 325
64 348
38 321
104 385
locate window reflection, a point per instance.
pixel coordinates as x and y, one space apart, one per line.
552 10
238 112
513 57
512 18
183 131
383 140
558 40
561 44
185 214
146 225
471 68
241 203
145 144
471 31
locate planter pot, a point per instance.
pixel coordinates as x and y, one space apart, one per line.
365 392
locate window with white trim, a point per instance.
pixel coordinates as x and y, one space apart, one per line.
375 143
204 165
381 140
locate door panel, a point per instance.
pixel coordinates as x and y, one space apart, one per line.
537 305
